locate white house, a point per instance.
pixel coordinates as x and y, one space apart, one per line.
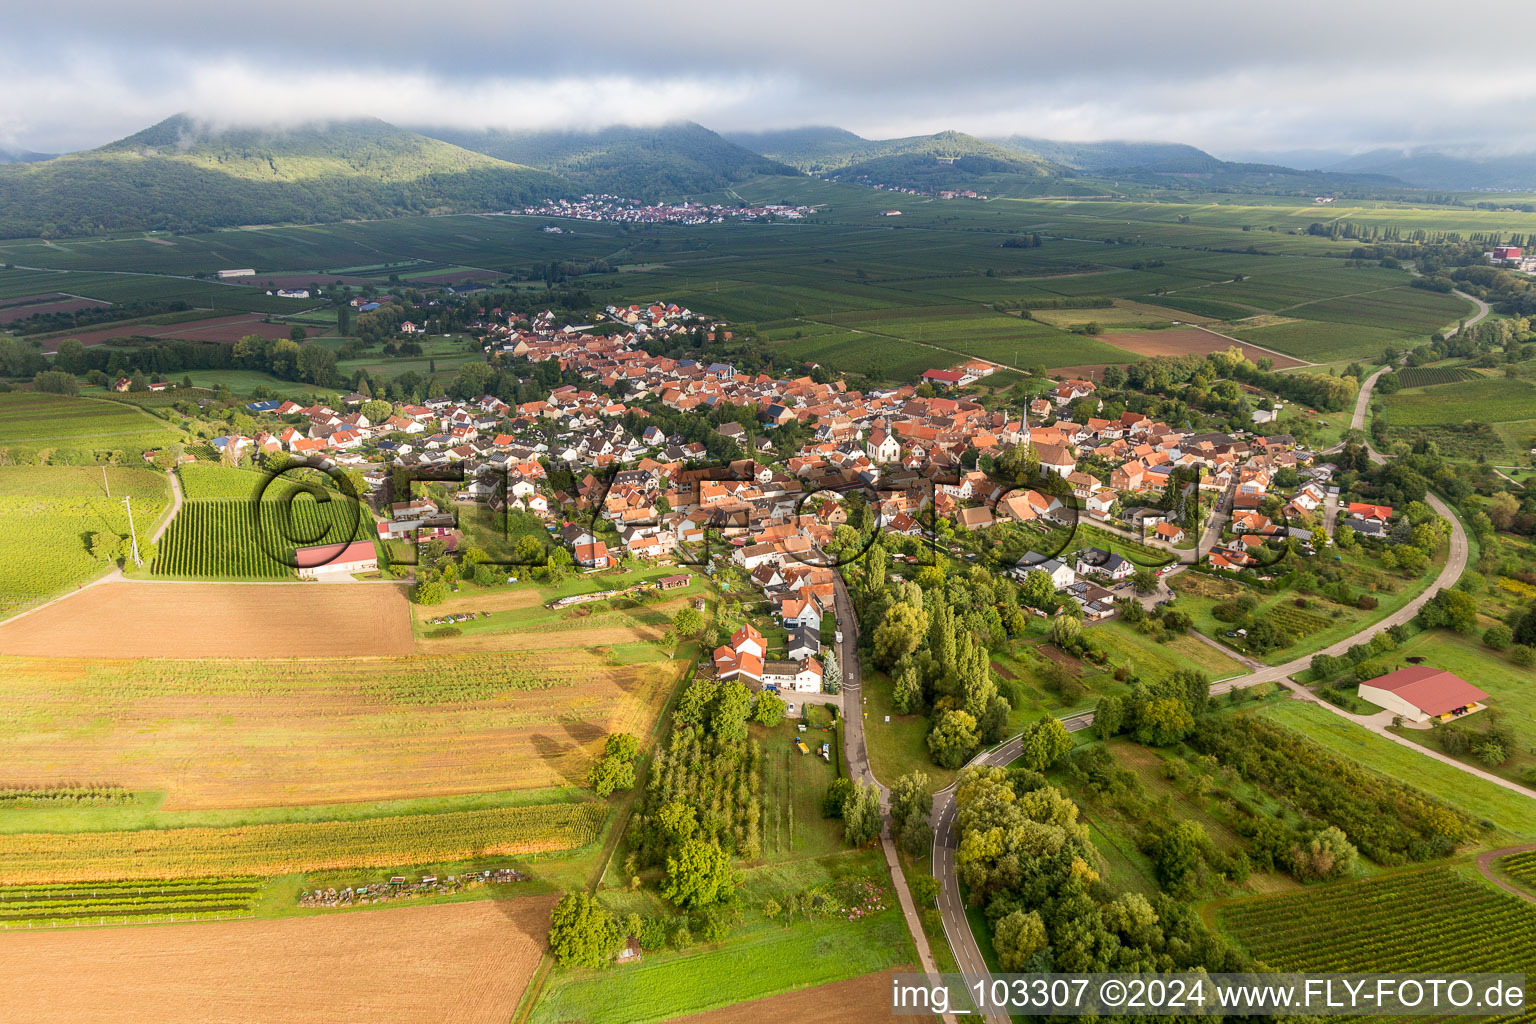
802 676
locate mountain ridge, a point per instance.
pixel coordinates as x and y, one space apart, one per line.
643 162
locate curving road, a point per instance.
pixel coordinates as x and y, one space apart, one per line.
945 840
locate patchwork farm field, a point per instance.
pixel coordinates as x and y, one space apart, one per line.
287 848
969 331
1488 400
458 963
1319 342
37 427
243 539
1179 341
49 514
212 328
239 734
217 620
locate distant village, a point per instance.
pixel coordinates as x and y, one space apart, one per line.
644 494
619 210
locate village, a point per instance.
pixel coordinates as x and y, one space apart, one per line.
613 488
619 210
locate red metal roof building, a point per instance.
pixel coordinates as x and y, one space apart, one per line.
1422 692
343 559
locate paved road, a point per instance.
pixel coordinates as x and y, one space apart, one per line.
857 756
951 904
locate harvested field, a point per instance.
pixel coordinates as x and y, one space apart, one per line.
216 328
458 277
1124 313
1194 340
854 1001
11 313
217 620
459 963
25 300
241 734
304 280
291 847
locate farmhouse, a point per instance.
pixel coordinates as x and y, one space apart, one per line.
329 561
802 676
1422 692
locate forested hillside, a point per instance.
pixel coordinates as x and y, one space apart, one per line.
639 163
182 176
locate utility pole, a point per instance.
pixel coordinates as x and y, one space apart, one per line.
133 537
104 482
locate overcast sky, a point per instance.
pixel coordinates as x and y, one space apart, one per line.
1229 77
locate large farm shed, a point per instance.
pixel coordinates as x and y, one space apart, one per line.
1423 692
328 561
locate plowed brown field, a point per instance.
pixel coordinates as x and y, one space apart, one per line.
461 963
1183 342
231 734
217 620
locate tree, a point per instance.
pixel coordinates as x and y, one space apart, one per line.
925 891
1523 655
907 698
582 931
299 334
1065 630
769 709
1162 722
1498 637
1145 581
1108 716
56 382
106 547
898 634
376 412
861 815
835 801
910 807
1017 938
169 457
953 739
1525 629
430 592
1452 609
1176 854
831 673
1037 590
1044 744
699 874
689 622
729 710
1326 854
693 706
615 769
608 774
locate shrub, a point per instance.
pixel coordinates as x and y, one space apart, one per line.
1522 655
1498 637
1367 602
